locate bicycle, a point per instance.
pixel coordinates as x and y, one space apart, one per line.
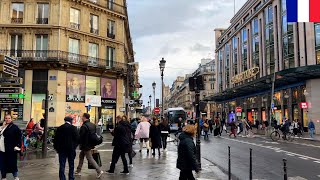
276 134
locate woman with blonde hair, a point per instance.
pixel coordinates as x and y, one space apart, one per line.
187 161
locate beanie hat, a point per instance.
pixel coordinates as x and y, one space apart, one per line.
68 119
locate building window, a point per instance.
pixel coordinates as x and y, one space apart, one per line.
74 18
111 56
284 5
269 35
16 45
317 34
244 50
255 26
220 86
94 26
287 39
110 4
74 50
93 54
269 14
227 66
111 29
43 13
318 56
41 45
235 56
17 13
212 86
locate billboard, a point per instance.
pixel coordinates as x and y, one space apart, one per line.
76 85
108 88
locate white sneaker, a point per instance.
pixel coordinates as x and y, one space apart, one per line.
16 178
131 165
99 174
4 179
77 173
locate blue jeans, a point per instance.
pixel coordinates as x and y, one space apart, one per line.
62 162
311 131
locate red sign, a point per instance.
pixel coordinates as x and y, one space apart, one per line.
238 109
156 110
304 105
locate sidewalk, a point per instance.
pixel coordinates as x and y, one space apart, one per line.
145 167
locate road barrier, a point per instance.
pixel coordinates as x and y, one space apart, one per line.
285 174
250 171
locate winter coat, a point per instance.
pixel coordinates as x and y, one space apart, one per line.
66 139
186 153
122 136
143 130
164 129
155 137
311 125
12 138
86 130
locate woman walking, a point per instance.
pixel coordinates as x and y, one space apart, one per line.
187 161
129 134
142 133
206 129
155 137
165 131
10 143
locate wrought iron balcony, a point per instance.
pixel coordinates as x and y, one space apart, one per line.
42 20
64 57
108 4
95 31
74 25
17 20
111 35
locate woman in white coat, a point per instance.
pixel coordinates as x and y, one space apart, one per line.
142 133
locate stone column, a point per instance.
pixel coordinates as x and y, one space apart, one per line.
289 104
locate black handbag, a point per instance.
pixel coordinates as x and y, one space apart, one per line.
96 157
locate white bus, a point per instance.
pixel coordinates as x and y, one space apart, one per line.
173 115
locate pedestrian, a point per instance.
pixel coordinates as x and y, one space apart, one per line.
206 129
311 128
10 144
201 121
100 125
130 152
155 136
217 127
233 128
142 133
29 127
65 143
122 144
86 130
245 126
240 125
134 125
165 131
211 126
295 127
187 161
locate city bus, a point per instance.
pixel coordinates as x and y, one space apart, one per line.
173 115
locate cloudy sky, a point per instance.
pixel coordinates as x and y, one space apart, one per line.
181 31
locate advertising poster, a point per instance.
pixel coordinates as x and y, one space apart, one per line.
108 88
75 110
76 85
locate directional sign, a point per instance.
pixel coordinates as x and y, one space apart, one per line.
10 90
11 81
8 70
9 61
11 101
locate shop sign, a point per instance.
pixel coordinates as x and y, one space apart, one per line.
238 109
304 105
71 98
94 101
108 101
250 73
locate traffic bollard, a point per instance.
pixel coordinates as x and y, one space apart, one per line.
285 176
250 176
229 163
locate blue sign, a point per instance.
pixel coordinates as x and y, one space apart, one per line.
89 107
272 105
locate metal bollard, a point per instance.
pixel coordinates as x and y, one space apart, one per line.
250 175
285 176
229 163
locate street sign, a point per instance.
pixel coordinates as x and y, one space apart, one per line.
8 70
11 81
11 90
9 61
238 114
304 105
238 109
20 95
272 106
156 110
10 101
122 109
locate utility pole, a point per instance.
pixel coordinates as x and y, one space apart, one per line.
272 101
197 105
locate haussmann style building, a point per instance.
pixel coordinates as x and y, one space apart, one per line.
260 48
77 50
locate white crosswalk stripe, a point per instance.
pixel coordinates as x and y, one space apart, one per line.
297 178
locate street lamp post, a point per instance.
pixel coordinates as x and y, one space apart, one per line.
162 65
150 104
154 94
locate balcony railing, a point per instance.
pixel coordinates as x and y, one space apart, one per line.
95 31
65 57
109 5
42 20
17 20
111 35
74 25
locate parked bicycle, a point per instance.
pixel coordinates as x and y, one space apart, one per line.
34 141
277 134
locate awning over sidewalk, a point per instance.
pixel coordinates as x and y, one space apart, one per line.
283 79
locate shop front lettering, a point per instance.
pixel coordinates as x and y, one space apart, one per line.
108 101
75 99
250 73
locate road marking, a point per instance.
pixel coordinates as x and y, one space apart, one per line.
317 162
318 175
304 158
297 178
290 154
105 150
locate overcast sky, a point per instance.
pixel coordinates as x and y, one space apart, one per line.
181 31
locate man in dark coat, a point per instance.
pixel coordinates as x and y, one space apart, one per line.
12 143
187 161
122 145
86 130
65 143
155 136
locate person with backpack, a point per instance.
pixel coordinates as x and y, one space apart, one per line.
65 143
87 142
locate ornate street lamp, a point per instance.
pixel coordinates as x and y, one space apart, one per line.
162 65
154 93
150 104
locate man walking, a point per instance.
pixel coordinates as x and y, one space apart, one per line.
122 145
86 146
65 143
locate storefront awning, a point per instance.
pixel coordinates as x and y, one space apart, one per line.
283 79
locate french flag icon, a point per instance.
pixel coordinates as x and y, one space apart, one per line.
303 10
